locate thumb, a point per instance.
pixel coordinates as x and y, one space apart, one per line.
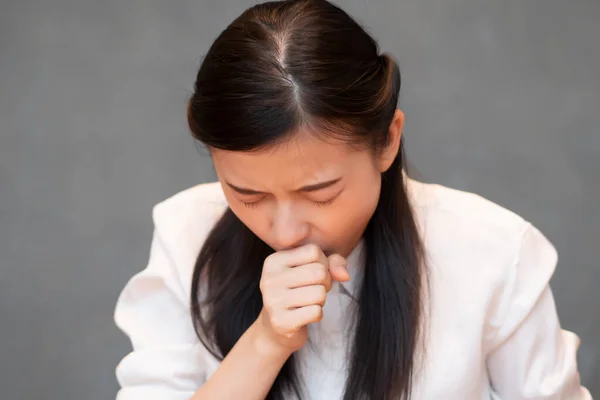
337 268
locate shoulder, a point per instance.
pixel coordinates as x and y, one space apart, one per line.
467 236
435 199
183 221
193 210
153 307
481 256
465 218
197 204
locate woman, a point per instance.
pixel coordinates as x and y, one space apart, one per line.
315 268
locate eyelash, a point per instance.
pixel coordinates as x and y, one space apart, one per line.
318 203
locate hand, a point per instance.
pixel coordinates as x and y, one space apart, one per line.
294 286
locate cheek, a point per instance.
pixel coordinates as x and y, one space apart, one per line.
254 218
350 216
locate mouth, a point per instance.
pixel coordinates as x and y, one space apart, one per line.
328 252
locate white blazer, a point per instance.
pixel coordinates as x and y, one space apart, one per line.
493 331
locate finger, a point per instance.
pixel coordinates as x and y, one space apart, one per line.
305 275
306 296
302 316
338 268
299 256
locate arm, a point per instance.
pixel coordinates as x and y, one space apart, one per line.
168 362
248 371
250 368
531 357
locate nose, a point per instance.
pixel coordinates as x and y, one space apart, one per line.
289 229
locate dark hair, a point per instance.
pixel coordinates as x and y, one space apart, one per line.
278 67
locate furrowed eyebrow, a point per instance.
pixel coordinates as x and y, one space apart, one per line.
308 188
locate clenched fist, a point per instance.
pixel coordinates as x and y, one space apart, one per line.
294 286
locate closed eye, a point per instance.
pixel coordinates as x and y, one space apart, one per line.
324 203
254 204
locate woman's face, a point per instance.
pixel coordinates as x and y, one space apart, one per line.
306 190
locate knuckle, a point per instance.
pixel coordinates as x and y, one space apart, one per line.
321 293
269 261
320 273
317 312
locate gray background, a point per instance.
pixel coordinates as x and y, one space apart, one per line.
502 98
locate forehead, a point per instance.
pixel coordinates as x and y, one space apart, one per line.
298 160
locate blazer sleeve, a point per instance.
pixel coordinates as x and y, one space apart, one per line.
531 356
168 362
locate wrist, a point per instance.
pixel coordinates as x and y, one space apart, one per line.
264 345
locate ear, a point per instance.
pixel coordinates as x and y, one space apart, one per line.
387 155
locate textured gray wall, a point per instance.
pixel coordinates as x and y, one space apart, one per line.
502 97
